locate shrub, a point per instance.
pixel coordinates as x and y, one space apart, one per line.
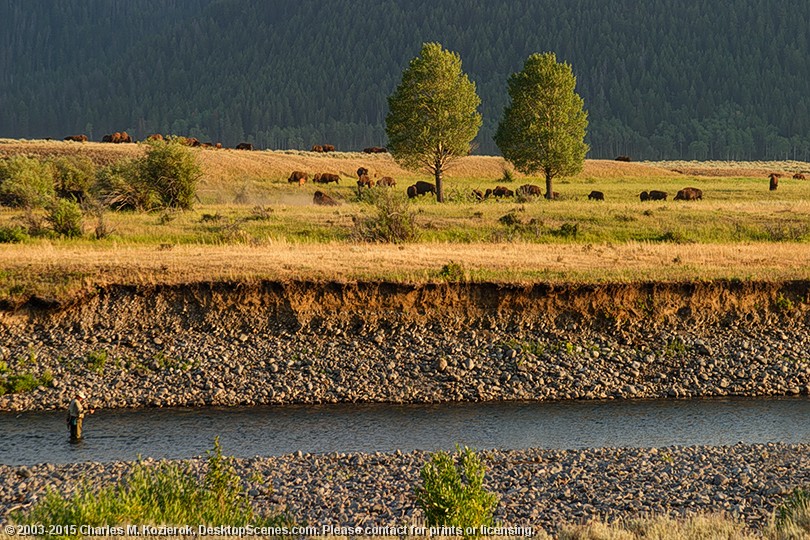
12 235
122 187
73 175
65 218
452 271
508 176
453 494
393 221
165 494
172 171
25 182
792 518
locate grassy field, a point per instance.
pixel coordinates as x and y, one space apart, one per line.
251 223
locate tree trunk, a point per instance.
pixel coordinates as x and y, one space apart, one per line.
549 191
439 187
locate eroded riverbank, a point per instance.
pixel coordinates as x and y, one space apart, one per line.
283 343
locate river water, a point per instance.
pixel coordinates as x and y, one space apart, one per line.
111 435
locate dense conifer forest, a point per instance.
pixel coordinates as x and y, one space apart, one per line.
661 79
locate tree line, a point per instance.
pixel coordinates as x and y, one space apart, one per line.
662 79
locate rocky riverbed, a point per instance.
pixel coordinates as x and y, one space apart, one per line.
537 488
134 348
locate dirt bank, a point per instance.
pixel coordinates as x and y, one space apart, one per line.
305 342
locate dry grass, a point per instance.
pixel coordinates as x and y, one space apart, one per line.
63 271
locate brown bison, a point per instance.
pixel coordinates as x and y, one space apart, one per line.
323 199
530 190
298 177
774 182
478 195
316 148
362 171
799 176
501 191
622 158
375 150
596 196
364 182
420 188
328 148
653 195
218 146
689 194
244 146
76 138
117 138
325 178
386 181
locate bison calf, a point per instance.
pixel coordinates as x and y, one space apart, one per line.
596 196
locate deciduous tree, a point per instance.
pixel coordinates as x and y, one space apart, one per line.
543 126
433 114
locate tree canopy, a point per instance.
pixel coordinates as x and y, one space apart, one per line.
433 114
543 127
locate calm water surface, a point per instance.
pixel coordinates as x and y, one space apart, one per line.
110 435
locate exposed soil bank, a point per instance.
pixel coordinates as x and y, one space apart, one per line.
294 342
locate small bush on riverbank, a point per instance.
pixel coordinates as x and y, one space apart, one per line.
165 494
22 381
453 494
792 520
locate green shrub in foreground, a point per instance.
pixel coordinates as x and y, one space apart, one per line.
792 519
65 218
12 235
392 222
164 494
25 182
452 492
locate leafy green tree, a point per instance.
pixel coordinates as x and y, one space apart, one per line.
543 127
433 114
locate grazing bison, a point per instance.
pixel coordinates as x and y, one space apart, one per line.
298 177
653 195
420 188
501 191
530 190
218 146
316 148
622 158
117 138
386 181
328 148
477 195
76 138
596 196
689 194
325 178
774 182
364 182
323 199
244 146
375 150
155 137
361 172
799 176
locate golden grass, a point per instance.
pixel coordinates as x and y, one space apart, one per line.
63 271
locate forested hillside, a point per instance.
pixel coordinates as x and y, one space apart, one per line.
661 79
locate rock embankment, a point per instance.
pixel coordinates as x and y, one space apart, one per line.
537 488
228 344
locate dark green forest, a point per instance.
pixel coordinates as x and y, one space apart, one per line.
661 79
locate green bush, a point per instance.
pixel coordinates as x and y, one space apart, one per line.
65 218
12 235
165 494
122 187
453 493
25 182
73 175
172 171
392 221
792 518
